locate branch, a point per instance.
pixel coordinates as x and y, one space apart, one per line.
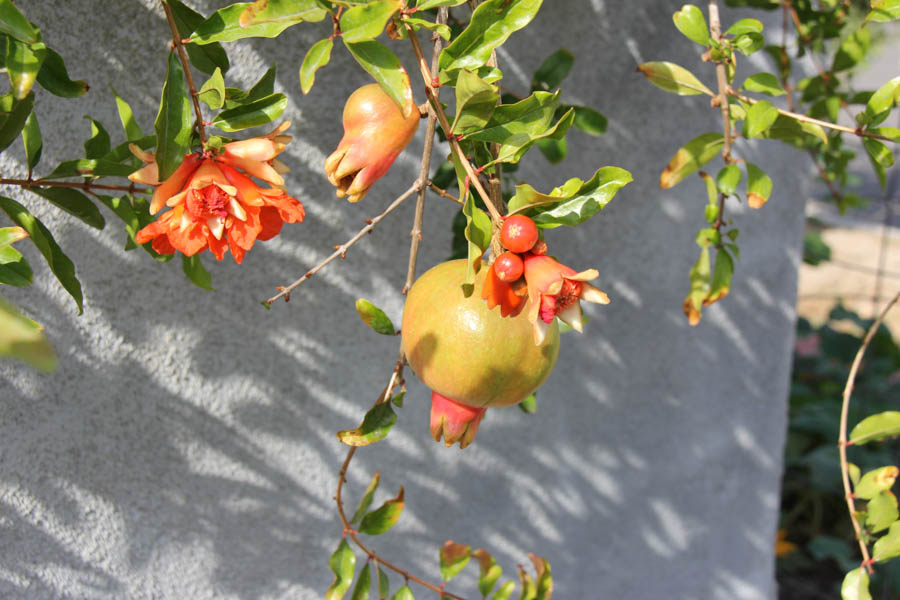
842 439
285 292
715 28
442 193
87 186
179 46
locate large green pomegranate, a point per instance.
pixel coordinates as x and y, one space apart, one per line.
467 353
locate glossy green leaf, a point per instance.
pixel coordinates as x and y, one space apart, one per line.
206 58
126 116
884 11
720 284
122 208
173 121
892 133
573 202
728 179
876 428
553 71
554 150
90 168
856 585
316 57
454 558
374 317
487 74
475 102
745 26
875 481
366 501
398 399
760 117
363 583
374 428
478 234
193 268
852 51
489 571
427 4
748 43
54 77
98 144
23 62
260 112
31 138
385 516
673 78
366 21
383 65
692 24
264 18
383 585
699 278
589 121
527 587
213 91
881 102
342 563
879 152
888 546
263 88
491 25
759 186
13 23
504 591
14 269
13 122
73 202
404 593
854 473
58 262
438 28
11 235
23 339
544 581
690 158
881 511
791 131
764 83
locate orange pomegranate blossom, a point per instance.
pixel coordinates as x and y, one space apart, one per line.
213 201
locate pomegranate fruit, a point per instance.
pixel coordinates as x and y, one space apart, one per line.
509 266
470 356
518 233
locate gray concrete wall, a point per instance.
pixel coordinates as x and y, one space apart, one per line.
185 448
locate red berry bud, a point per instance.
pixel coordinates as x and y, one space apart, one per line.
508 267
518 233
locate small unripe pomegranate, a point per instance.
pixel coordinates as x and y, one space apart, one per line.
540 248
509 267
518 233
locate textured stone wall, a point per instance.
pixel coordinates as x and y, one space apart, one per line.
185 448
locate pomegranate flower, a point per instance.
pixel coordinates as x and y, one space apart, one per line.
455 421
554 290
375 133
500 293
214 204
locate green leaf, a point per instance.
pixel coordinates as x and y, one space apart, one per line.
887 546
881 511
504 591
385 516
554 150
206 58
490 26
363 583
383 65
852 50
398 399
195 271
13 23
876 428
374 428
788 130
54 77
13 122
454 558
404 593
589 121
342 563
759 186
881 102
98 145
544 581
699 277
526 583
73 202
173 121
760 117
58 262
815 250
552 71
23 339
527 406
745 26
764 83
748 43
213 91
438 28
263 88
879 152
690 158
384 587
31 138
728 179
317 57
14 269
720 284
884 11
691 23
11 235
259 112
374 317
475 102
573 202
366 501
478 233
126 116
123 209
490 571
856 585
366 21
427 4
23 62
90 168
673 78
264 18
854 474
875 481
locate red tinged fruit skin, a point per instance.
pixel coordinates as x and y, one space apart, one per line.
509 267
518 233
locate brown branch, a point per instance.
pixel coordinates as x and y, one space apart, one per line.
443 193
715 28
179 47
87 186
842 438
341 251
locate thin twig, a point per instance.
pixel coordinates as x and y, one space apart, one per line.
443 193
715 28
179 47
842 437
341 251
87 186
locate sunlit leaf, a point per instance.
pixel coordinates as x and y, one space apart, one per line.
690 158
374 317
489 571
544 581
884 11
699 277
876 427
367 21
363 584
73 202
318 55
692 24
126 116
260 112
673 78
89 168
54 77
728 179
748 43
342 563
504 591
13 23
31 138
888 546
881 102
475 102
385 516
207 57
426 4
875 481
764 83
454 558
745 26
404 593
881 511
478 233
852 50
528 588
264 18
23 339
438 28
856 585
14 269
13 122
23 62
213 91
366 501
382 64
173 121
720 284
759 186
384 587
529 404
375 426
760 117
